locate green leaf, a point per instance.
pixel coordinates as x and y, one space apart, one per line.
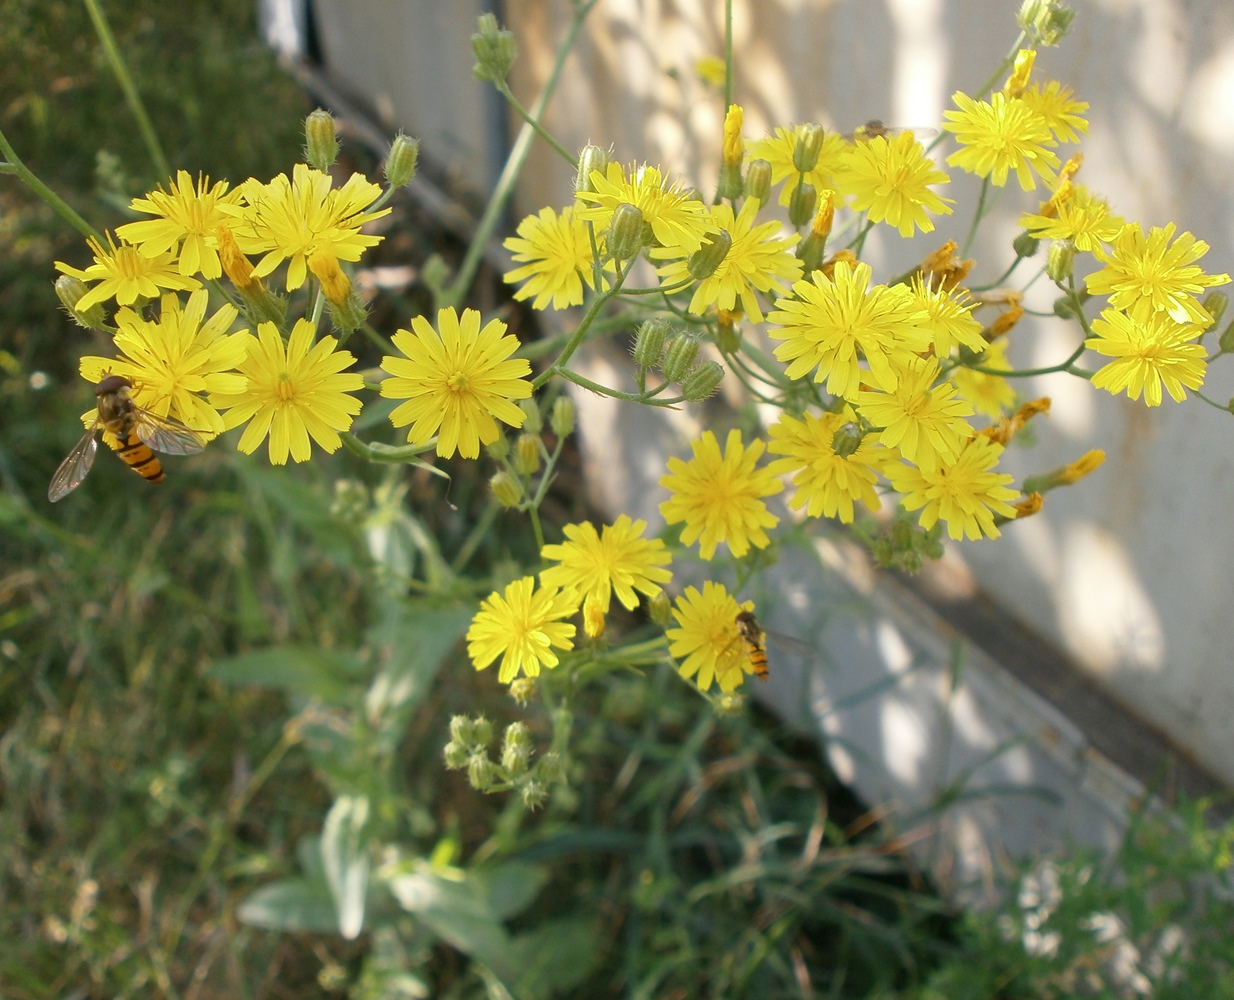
555 957
344 856
314 673
458 912
294 904
510 887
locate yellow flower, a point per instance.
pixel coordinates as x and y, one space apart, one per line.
293 220
778 151
831 323
999 136
616 559
949 317
965 495
522 626
1081 217
707 637
759 258
676 218
890 179
295 391
127 275
172 359
1147 274
187 219
1149 352
719 497
923 420
456 381
827 483
555 252
1059 110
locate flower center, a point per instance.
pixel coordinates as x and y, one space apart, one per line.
286 388
457 382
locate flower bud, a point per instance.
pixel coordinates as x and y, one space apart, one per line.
456 756
590 159
400 165
349 314
481 731
533 423
1215 305
734 147
494 49
802 204
702 381
649 342
461 730
561 420
527 454
704 262
1067 474
480 771
679 358
550 770
731 184
516 749
522 688
533 794
507 490
625 234
810 252
261 305
70 290
1025 245
1029 506
1045 21
809 145
1060 261
728 337
847 439
1021 70
321 144
660 608
758 180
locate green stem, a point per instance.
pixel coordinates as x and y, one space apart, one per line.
728 54
580 332
603 390
390 454
13 165
491 218
523 113
108 40
478 533
978 215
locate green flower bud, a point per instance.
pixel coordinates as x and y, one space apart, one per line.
625 234
534 423
1046 21
400 165
847 439
802 204
517 735
679 358
1025 245
462 730
1060 261
321 144
702 381
758 181
349 314
731 184
494 49
562 418
480 771
550 770
507 490
810 252
660 608
590 159
527 454
728 337
1215 305
703 262
809 145
649 342
515 759
456 756
70 290
481 731
533 794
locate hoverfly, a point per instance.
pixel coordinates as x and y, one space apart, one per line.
755 639
874 129
137 430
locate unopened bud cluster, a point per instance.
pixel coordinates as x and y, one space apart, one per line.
676 355
468 750
494 49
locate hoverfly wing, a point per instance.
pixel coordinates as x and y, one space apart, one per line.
75 467
166 434
791 644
